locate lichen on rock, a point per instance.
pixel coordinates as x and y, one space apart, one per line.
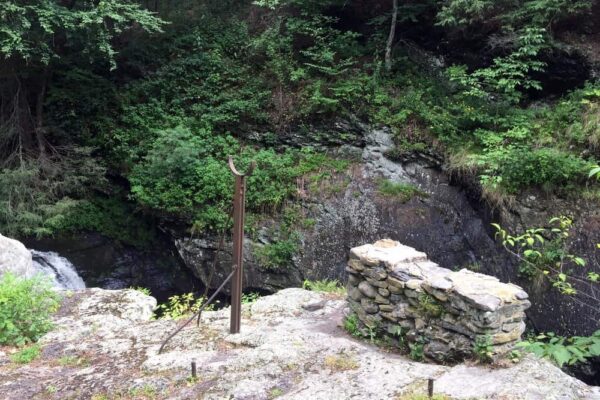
106 346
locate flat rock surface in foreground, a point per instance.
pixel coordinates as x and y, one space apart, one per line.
290 347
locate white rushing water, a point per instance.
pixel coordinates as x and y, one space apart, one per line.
59 269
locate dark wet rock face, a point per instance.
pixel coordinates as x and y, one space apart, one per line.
199 255
551 310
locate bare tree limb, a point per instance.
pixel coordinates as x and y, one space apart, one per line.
390 41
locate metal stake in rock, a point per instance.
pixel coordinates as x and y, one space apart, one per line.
239 199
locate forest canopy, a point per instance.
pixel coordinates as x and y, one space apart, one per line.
140 102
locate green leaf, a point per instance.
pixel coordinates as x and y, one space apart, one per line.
561 356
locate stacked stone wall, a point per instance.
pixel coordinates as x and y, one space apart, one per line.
396 290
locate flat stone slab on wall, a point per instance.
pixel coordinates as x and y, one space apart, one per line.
395 288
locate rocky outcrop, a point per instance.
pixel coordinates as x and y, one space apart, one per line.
15 258
397 290
290 347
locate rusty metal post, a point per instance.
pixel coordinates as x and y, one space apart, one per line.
239 200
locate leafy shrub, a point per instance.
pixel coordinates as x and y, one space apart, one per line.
562 350
180 306
249 298
352 325
543 252
185 173
526 167
417 349
483 348
278 254
25 308
430 306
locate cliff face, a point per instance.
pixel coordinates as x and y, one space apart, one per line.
443 217
290 346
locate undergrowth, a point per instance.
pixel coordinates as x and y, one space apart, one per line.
26 306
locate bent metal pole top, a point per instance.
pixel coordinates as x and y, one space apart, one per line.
239 199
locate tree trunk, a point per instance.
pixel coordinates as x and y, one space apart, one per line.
39 115
390 41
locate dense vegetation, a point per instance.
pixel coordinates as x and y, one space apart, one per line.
116 105
25 309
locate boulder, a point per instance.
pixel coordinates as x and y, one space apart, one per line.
15 258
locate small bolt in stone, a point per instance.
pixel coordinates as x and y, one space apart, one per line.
430 387
194 369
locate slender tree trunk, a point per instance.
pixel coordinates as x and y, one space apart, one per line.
23 120
390 41
39 115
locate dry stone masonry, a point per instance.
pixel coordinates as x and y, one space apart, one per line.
396 290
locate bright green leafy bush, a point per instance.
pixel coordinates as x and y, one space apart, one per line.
352 325
544 252
179 306
278 254
521 168
562 350
25 308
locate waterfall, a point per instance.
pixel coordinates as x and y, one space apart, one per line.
59 269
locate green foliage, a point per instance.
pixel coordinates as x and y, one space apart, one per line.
278 254
416 349
560 350
29 30
162 119
543 252
322 69
509 76
25 309
26 354
352 325
430 306
112 217
595 172
185 173
511 14
37 196
325 286
179 306
249 298
483 348
401 191
516 168
181 174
